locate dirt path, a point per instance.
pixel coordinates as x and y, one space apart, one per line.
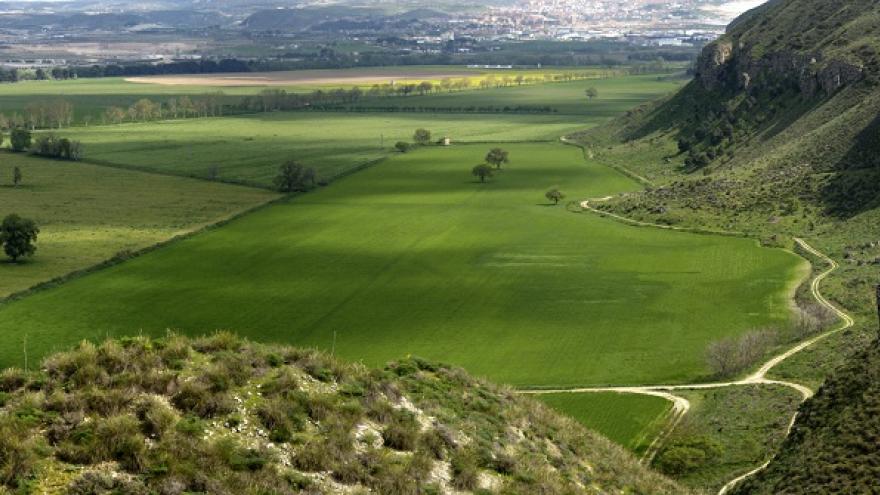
680 405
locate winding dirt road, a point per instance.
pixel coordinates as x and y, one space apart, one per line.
680 405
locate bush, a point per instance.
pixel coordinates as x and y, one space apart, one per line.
52 146
422 136
105 483
402 432
20 139
731 355
402 146
682 456
195 397
18 453
465 472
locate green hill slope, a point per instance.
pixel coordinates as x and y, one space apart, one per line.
778 136
223 416
833 446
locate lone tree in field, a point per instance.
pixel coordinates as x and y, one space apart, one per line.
554 195
18 235
482 171
294 177
402 146
422 136
591 93
497 156
16 176
20 139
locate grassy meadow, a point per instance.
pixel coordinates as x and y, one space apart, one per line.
414 256
88 213
615 95
91 96
250 148
630 420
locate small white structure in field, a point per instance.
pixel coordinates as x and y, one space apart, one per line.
447 141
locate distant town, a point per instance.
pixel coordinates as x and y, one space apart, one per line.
55 34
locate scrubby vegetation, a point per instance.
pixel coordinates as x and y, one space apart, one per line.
833 446
727 432
222 415
777 137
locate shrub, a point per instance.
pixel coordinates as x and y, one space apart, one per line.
20 139
402 432
12 379
195 397
465 472
18 452
402 146
731 355
422 136
156 418
105 483
52 146
685 455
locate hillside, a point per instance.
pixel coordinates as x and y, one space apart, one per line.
781 120
833 446
776 137
221 415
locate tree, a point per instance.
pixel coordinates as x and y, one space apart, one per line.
422 136
20 139
18 236
482 171
591 93
294 177
402 146
497 156
684 145
554 195
16 176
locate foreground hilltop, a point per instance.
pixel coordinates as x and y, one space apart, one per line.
222 415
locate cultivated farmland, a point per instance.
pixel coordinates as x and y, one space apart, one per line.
88 213
629 419
250 148
413 256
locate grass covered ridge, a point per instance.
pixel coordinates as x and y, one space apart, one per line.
221 415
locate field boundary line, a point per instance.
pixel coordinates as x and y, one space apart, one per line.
623 170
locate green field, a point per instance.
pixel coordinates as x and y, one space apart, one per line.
88 213
413 256
250 148
629 419
92 96
616 95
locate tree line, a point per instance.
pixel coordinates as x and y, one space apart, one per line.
145 109
43 114
279 99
